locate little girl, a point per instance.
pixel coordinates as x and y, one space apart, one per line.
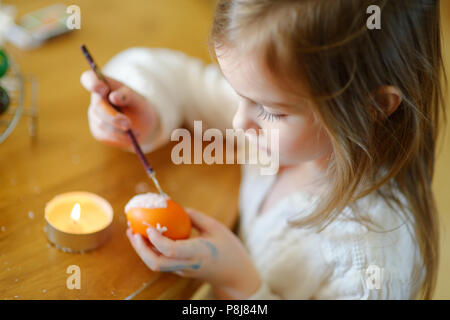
350 213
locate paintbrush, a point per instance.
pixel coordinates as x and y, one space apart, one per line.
137 148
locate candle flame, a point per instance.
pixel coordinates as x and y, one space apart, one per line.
76 212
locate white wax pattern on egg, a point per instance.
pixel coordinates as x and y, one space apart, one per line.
147 200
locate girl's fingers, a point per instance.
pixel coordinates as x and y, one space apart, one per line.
107 109
98 119
167 246
107 113
202 221
182 249
92 83
125 97
95 98
156 262
118 94
103 131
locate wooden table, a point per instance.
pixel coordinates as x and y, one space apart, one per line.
65 157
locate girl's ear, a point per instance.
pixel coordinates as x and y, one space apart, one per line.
388 98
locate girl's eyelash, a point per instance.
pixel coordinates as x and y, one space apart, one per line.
265 115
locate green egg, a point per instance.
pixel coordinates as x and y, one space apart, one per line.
3 63
4 100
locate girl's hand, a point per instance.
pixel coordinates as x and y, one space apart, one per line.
216 256
108 125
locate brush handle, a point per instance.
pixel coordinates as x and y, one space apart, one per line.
139 152
134 142
130 133
136 146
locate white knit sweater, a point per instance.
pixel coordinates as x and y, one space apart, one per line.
344 261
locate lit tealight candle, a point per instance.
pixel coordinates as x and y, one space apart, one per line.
78 221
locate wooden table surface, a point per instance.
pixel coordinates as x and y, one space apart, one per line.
65 157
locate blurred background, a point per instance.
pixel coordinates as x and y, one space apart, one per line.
32 171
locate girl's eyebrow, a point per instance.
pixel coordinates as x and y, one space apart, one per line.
241 95
266 103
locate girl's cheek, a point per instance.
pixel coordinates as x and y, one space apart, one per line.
302 142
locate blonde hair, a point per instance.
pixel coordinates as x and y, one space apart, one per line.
328 44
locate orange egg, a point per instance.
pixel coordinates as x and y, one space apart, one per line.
164 214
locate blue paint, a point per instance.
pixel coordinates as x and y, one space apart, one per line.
212 248
180 267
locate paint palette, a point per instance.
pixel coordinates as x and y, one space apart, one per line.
40 25
47 22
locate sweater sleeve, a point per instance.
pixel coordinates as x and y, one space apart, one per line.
181 88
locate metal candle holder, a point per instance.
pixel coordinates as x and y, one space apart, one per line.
77 242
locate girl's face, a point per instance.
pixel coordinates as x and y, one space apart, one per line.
263 105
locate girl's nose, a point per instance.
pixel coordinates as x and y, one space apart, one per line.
244 117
